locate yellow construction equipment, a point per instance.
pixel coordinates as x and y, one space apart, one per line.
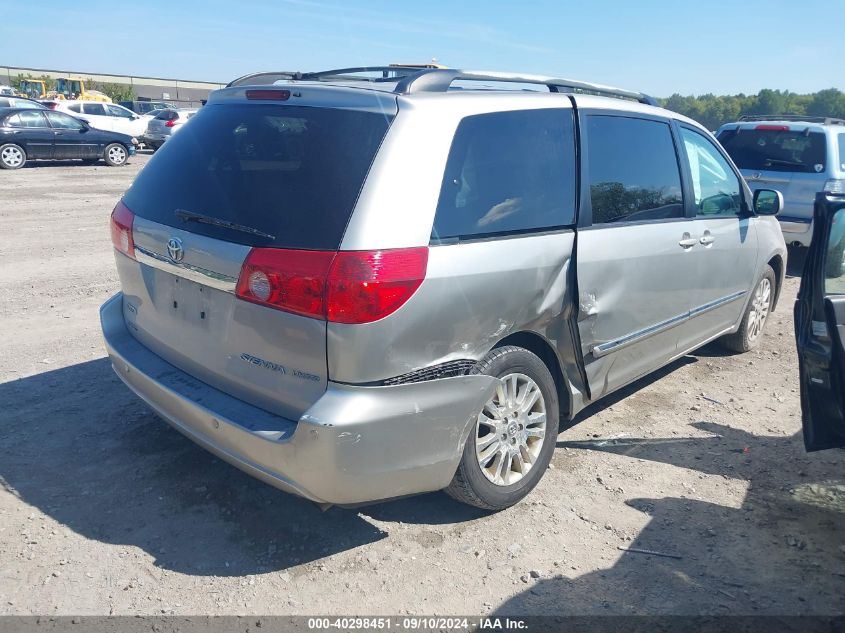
74 88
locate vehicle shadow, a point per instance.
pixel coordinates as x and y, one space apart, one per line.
81 448
780 552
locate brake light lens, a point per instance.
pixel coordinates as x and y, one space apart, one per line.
773 128
272 95
290 280
343 287
835 185
170 123
122 221
366 286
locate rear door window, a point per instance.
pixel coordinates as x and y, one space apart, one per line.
292 173
95 109
508 172
775 148
27 120
633 170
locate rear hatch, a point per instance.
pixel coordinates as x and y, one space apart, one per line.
242 176
158 124
791 159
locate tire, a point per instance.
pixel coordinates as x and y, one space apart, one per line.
497 480
12 156
750 331
115 155
833 264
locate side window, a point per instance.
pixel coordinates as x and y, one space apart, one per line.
94 108
75 107
27 120
842 152
634 173
715 186
834 270
63 121
508 172
118 111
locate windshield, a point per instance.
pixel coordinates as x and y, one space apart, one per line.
290 172
776 150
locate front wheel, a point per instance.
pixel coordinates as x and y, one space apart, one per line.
750 331
115 155
12 156
511 443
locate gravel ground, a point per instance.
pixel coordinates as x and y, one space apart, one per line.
104 509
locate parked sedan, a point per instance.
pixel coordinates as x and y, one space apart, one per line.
105 116
28 134
166 124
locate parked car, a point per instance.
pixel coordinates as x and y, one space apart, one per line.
20 102
796 155
28 134
105 116
164 125
357 290
144 107
819 328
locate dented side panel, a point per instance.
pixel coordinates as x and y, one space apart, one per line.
474 295
634 285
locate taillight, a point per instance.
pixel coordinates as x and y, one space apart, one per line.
294 281
835 185
366 286
122 220
773 128
343 287
170 123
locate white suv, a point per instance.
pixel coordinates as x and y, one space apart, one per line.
105 116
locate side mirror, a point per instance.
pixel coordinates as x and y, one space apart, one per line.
767 201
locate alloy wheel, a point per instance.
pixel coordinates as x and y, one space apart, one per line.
760 305
510 429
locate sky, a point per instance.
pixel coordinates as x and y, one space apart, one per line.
655 47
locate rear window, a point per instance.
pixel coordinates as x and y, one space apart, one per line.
776 150
290 172
167 115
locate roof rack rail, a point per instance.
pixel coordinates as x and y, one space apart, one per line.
792 117
390 73
440 80
414 79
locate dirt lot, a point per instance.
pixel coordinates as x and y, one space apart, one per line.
105 509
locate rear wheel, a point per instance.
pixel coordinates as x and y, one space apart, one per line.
12 156
513 438
756 314
115 155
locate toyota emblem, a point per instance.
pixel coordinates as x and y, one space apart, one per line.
175 250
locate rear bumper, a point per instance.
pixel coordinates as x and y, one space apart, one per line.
355 444
796 229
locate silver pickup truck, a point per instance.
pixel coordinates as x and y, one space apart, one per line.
368 283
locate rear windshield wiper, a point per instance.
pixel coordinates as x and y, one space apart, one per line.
777 161
190 216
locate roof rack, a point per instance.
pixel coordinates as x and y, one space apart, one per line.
792 117
410 79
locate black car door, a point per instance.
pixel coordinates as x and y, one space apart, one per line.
74 139
820 327
29 129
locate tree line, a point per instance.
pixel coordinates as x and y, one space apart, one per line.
712 111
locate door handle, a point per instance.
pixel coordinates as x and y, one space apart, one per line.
707 239
687 242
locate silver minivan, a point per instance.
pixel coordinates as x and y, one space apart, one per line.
794 154
359 286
